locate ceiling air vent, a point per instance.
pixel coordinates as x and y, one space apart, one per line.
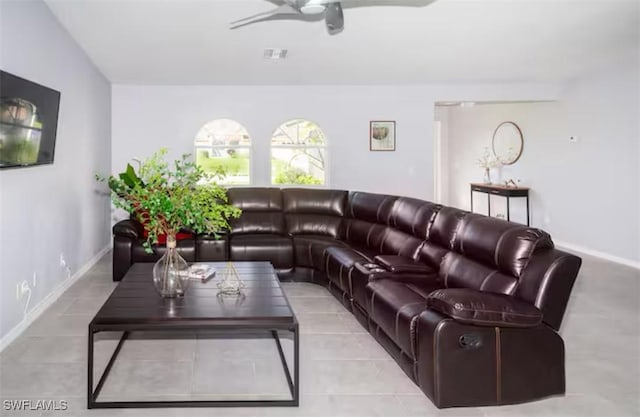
275 54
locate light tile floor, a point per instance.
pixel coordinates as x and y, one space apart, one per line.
344 372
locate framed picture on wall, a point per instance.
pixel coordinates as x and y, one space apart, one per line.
382 136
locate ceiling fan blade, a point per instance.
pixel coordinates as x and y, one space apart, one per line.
334 18
284 9
348 4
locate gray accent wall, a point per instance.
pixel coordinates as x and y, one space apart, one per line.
52 211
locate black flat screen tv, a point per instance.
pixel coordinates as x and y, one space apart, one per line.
28 122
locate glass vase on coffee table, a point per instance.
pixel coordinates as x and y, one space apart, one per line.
170 273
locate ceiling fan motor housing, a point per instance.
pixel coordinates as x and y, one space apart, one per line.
310 7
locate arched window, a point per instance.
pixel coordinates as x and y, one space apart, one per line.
225 144
298 154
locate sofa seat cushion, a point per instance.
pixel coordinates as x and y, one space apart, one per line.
395 306
276 249
310 251
484 309
363 274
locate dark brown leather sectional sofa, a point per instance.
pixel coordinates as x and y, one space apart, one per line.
468 305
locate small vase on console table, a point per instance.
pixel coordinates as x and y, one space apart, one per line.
170 273
487 176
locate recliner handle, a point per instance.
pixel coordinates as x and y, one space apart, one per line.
470 341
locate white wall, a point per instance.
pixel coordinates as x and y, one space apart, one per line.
603 109
441 157
546 147
585 194
146 118
51 210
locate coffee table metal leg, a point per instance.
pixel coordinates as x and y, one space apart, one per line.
90 397
292 382
296 363
93 395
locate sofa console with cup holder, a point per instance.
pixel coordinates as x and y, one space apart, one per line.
469 306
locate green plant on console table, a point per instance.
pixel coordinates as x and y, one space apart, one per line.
166 198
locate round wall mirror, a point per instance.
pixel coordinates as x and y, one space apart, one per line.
507 143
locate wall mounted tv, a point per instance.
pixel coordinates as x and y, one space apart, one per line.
28 122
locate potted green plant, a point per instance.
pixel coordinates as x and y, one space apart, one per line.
167 198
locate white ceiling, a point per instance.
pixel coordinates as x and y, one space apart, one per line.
189 41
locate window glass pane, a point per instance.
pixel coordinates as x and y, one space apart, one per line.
225 144
296 166
298 132
223 132
234 161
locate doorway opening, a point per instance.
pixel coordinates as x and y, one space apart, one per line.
464 145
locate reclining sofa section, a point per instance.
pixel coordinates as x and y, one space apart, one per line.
468 305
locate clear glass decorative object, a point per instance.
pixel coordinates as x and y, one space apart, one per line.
487 176
171 272
230 283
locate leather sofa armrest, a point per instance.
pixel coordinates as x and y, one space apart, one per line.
547 282
129 228
375 272
483 308
402 264
367 269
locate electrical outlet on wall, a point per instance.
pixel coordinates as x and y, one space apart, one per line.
34 279
21 289
65 266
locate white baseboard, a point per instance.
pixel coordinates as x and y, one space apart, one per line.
598 254
39 308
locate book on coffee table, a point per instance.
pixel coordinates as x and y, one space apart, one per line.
201 273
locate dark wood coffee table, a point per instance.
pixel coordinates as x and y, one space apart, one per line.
136 306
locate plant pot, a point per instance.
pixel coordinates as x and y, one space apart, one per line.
170 273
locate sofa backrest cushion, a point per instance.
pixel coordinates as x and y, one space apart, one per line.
311 201
373 208
397 242
317 212
363 233
380 238
458 271
490 254
413 216
370 225
497 243
441 236
446 226
261 211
